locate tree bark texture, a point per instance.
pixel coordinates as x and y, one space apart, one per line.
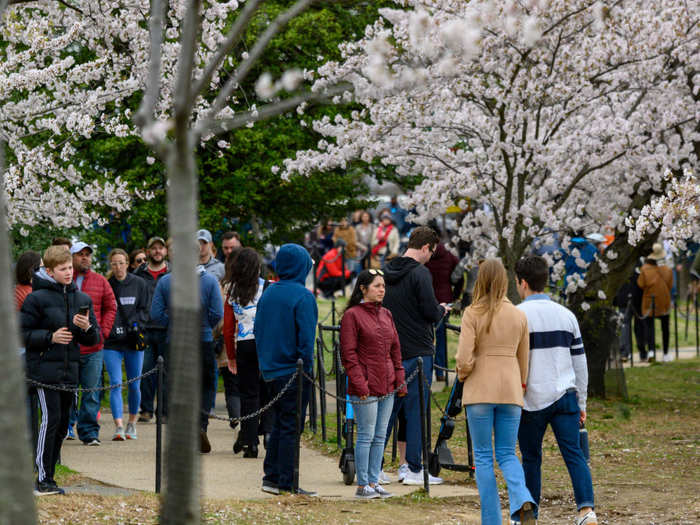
599 330
182 469
16 498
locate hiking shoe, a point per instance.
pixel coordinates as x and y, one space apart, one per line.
366 492
204 445
56 487
403 470
131 431
119 434
71 433
384 478
416 478
44 488
270 487
145 417
527 514
92 442
383 493
589 518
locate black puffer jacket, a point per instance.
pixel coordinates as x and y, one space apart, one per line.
132 300
49 307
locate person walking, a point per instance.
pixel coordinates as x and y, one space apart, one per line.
385 244
244 287
156 335
365 236
285 331
91 360
212 311
492 360
411 300
371 356
656 281
556 387
123 344
54 319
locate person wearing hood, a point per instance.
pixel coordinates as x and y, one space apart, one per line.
55 318
212 311
577 262
411 300
441 265
285 330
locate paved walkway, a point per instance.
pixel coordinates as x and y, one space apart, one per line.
131 464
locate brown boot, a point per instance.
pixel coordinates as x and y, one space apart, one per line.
527 514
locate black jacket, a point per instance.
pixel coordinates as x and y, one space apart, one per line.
49 307
411 300
142 271
132 300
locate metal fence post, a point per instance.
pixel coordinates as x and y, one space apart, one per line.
297 445
424 441
160 364
675 321
322 385
653 326
342 268
697 341
394 439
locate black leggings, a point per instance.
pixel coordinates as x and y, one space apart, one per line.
649 334
249 385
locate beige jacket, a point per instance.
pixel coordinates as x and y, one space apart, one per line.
494 365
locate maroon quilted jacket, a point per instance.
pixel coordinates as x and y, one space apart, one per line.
370 350
441 265
104 304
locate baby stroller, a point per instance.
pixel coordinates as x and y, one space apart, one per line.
347 457
441 457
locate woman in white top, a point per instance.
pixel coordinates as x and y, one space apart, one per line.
243 291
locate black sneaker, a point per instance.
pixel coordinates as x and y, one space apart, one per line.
302 492
145 417
92 442
44 488
204 445
56 487
270 487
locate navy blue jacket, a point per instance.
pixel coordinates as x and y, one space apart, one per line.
285 322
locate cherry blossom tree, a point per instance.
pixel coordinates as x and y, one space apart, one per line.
74 68
539 117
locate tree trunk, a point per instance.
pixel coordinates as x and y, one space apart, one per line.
599 329
16 498
182 465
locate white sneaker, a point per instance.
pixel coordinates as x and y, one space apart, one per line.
416 478
403 470
587 519
668 358
384 478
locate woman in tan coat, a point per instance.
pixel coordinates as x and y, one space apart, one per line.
492 360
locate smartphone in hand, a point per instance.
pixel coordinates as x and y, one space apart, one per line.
84 310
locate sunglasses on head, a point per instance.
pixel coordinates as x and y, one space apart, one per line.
374 271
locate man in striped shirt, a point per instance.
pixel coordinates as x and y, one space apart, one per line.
556 389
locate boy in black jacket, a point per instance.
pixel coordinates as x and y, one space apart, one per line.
52 328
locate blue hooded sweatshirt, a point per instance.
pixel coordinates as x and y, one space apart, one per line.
285 323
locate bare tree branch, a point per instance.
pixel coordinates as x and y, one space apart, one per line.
244 68
277 108
233 37
150 98
188 43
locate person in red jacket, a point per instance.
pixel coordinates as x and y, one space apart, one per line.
329 273
371 355
90 372
441 265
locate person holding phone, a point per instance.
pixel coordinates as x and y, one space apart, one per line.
55 318
371 355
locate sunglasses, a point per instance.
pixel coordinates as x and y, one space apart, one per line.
374 271
140 260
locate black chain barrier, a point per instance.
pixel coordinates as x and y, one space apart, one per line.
262 410
62 388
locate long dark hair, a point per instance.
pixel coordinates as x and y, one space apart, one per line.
365 278
28 263
244 276
228 266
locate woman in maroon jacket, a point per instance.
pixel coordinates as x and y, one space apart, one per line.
371 356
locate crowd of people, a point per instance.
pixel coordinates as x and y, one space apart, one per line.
523 368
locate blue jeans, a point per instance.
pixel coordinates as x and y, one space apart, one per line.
371 422
90 373
441 347
411 407
157 346
280 452
500 420
563 415
133 362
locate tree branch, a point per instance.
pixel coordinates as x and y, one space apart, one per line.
145 113
276 108
188 43
232 39
244 68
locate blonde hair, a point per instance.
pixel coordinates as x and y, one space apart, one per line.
490 289
55 255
